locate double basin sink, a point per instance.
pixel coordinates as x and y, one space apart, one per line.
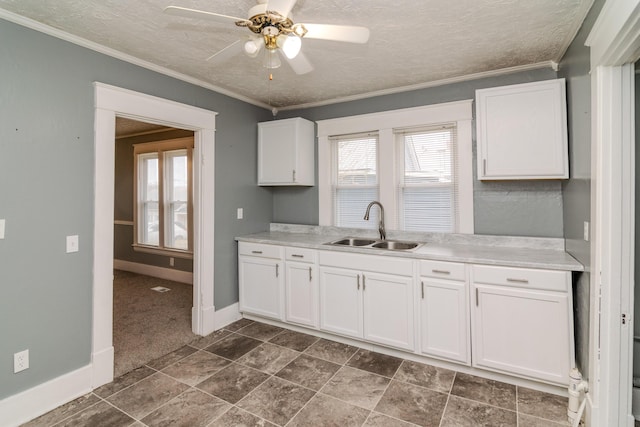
361 242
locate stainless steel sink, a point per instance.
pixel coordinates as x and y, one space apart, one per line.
353 241
360 242
395 245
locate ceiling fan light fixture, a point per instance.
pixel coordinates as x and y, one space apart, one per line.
253 47
290 45
271 59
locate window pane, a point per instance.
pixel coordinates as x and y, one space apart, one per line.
428 209
427 192
427 157
357 162
356 181
177 220
149 214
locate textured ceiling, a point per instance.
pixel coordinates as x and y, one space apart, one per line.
412 43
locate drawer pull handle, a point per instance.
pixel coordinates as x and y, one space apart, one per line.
297 256
277 269
310 276
358 282
477 299
422 286
509 279
441 271
256 252
363 283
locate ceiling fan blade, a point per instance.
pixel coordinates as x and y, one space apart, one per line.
339 33
300 64
283 7
201 14
227 52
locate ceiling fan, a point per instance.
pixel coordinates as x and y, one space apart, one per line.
274 31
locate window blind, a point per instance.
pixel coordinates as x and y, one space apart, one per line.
355 179
428 185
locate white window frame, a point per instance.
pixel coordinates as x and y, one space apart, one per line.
160 148
458 112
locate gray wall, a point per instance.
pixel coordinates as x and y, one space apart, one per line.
46 193
524 208
576 191
123 204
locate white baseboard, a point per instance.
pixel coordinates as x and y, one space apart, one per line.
30 404
208 320
102 367
227 315
153 271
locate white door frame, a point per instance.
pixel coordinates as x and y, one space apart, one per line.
615 44
111 101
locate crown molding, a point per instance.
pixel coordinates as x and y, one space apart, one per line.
467 77
54 32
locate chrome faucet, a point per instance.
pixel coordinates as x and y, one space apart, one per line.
383 234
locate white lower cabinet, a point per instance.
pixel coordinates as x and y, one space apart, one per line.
523 322
361 302
301 287
261 279
516 321
444 311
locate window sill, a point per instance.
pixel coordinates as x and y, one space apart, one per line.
163 251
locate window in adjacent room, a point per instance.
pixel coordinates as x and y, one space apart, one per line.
164 197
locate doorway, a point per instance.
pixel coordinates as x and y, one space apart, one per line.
153 271
111 101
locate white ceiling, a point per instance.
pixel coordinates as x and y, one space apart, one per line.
413 43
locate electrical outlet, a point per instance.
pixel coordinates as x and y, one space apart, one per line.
2 221
171 261
20 361
240 213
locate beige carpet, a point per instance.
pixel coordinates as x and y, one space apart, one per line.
148 324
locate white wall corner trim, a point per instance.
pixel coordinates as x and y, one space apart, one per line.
227 315
615 45
154 271
111 101
31 403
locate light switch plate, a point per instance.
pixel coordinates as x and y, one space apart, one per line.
240 213
585 231
2 221
72 244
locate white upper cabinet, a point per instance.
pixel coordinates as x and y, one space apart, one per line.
286 152
522 131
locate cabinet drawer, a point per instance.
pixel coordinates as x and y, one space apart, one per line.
442 270
258 249
523 277
300 254
379 264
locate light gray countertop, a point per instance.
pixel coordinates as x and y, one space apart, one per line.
509 251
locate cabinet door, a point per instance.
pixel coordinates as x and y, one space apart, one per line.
388 309
276 152
260 281
522 131
524 332
444 320
301 294
340 301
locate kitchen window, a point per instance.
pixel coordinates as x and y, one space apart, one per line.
164 197
355 165
427 182
417 162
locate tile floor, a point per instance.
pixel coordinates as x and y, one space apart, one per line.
254 374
